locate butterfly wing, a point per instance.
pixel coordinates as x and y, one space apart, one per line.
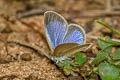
69 49
55 28
75 34
74 41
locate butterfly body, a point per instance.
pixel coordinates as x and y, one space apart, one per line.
58 59
64 40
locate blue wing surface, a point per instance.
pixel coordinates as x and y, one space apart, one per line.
55 27
75 34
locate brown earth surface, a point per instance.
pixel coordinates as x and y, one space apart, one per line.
19 23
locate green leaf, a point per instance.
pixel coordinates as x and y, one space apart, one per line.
74 64
118 78
61 65
106 46
67 64
116 63
107 78
110 78
105 69
66 67
112 41
91 79
67 71
100 57
117 54
80 58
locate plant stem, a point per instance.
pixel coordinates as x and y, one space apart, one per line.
109 27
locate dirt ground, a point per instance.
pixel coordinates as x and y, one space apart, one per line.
22 21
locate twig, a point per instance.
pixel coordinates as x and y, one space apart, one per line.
30 13
79 14
5 44
33 47
109 5
96 38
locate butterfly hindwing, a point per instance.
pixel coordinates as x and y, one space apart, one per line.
55 28
75 34
68 49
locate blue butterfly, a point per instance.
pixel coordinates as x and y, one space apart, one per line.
64 40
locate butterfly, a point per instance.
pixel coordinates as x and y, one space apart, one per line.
63 39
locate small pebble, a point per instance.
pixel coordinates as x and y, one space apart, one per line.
5 59
26 57
34 77
6 77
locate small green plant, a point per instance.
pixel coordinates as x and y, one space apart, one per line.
105 64
69 65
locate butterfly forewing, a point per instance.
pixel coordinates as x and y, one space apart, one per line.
68 49
55 28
